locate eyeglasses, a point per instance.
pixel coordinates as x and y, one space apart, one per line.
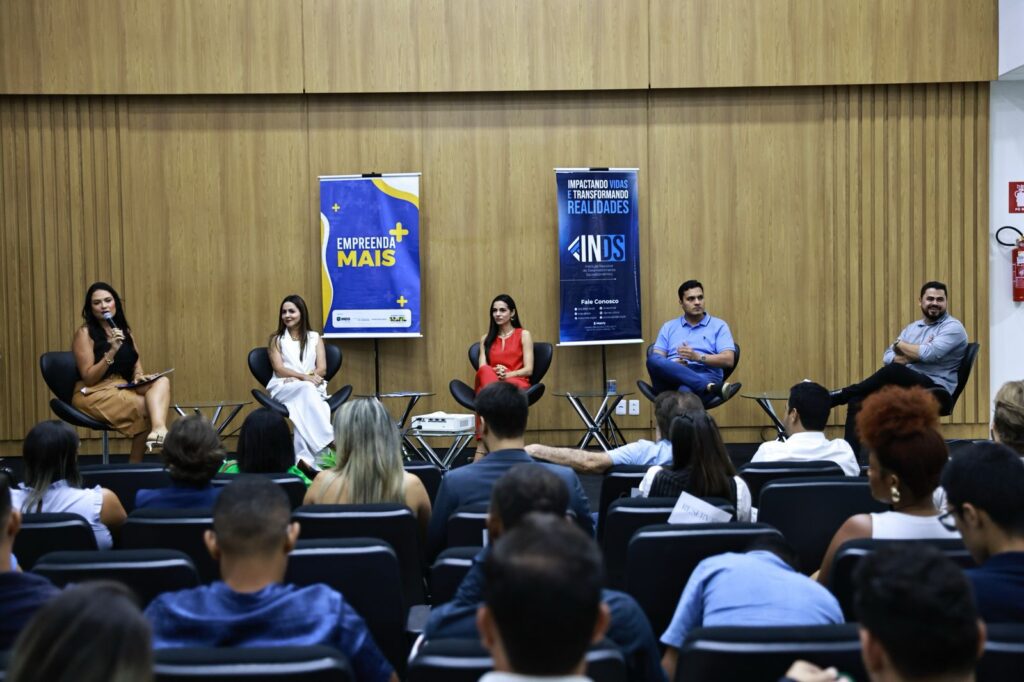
947 520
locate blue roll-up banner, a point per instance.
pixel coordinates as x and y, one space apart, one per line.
370 246
599 256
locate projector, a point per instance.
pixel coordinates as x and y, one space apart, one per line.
443 422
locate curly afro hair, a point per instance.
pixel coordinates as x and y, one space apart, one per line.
900 426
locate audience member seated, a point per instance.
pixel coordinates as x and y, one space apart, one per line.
21 594
1008 416
985 496
503 412
53 484
917 618
700 466
762 587
805 420
906 456
522 490
669 405
92 632
265 447
251 538
192 454
542 602
369 464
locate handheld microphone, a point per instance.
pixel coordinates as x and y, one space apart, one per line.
110 320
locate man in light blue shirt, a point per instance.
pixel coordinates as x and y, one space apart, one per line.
669 405
927 353
692 350
759 588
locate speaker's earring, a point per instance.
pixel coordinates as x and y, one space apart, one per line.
895 493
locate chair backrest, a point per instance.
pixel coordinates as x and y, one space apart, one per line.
291 484
617 482
252 664
147 572
393 523
125 479
428 474
466 526
180 529
809 511
542 355
449 568
757 474
849 556
1003 658
624 517
661 558
727 371
263 372
60 372
755 654
365 571
466 660
45 532
963 373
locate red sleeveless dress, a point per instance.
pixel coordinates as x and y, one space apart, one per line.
508 352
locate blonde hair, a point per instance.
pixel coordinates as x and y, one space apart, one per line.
369 453
1008 416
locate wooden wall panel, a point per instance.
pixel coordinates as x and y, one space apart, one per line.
61 227
468 45
128 47
740 43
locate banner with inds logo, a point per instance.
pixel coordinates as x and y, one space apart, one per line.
370 249
599 256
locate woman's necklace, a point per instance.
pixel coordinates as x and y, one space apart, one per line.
505 335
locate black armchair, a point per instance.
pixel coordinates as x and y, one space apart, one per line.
259 366
60 374
649 393
542 354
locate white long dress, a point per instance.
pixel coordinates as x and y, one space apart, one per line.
307 407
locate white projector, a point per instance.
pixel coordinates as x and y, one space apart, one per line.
444 422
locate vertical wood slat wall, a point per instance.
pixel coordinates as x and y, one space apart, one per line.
812 215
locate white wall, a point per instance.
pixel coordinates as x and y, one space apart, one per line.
1006 140
1011 42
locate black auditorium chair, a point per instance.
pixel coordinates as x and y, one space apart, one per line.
147 572
617 482
393 523
963 373
60 374
757 474
467 526
542 353
252 664
428 474
180 529
259 366
850 554
125 479
366 573
292 485
809 511
625 518
648 390
661 558
466 660
764 654
1003 658
448 570
51 532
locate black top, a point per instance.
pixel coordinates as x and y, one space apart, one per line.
670 483
124 359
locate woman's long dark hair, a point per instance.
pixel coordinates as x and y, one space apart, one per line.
50 454
492 330
697 444
96 331
264 444
304 328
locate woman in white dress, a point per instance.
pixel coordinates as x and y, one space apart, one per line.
300 367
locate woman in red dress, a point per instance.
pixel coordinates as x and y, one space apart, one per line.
506 351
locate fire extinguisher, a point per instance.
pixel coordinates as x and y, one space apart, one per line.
1016 261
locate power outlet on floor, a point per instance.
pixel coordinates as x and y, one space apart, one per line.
634 407
620 408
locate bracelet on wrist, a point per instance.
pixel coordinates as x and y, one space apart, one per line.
107 360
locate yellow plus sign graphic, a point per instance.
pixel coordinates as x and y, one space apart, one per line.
335 208
398 232
401 301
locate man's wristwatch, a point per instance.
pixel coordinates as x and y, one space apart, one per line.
703 357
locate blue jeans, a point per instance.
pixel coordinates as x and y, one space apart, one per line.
668 375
